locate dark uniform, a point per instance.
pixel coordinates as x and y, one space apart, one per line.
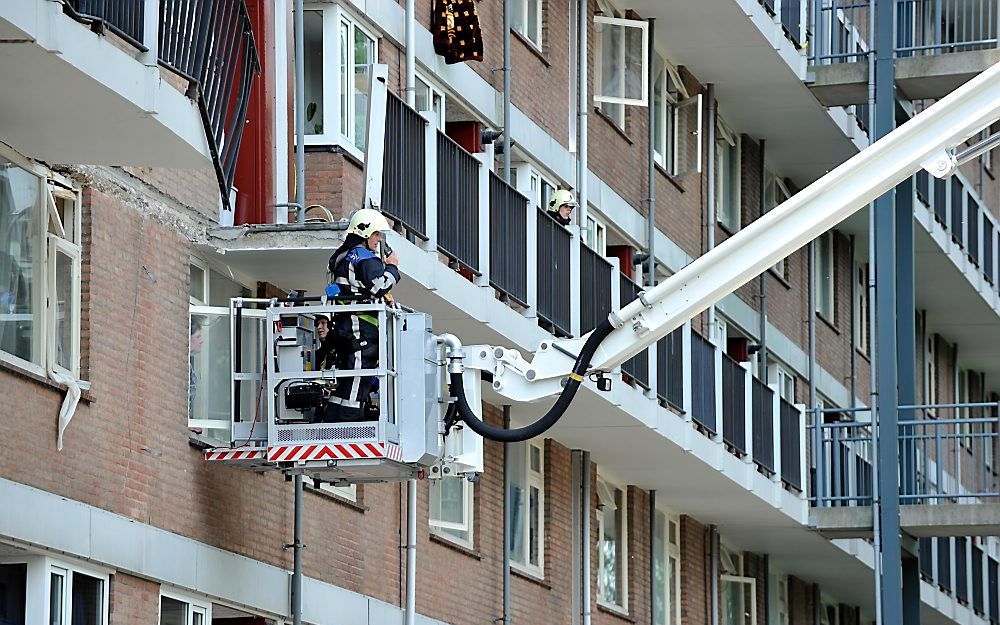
359 272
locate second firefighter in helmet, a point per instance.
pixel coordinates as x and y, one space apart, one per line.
561 205
361 273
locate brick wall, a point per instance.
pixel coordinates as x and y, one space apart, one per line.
335 180
133 600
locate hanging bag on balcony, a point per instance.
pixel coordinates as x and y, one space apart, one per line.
457 35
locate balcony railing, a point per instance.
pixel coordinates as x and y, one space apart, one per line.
703 382
458 203
404 168
554 242
791 454
637 367
596 274
122 17
670 368
508 252
762 399
734 408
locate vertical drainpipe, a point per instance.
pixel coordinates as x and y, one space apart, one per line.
713 534
410 610
762 360
854 321
300 131
297 554
652 557
507 468
576 507
817 418
582 166
506 92
585 507
651 206
710 195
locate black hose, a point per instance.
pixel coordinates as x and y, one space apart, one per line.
547 420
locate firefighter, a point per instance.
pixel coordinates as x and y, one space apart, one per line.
359 271
561 205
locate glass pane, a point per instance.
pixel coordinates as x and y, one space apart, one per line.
673 584
65 207
659 112
452 500
634 63
611 550
536 459
87 604
660 589
517 505
221 289
612 56
535 526
422 96
345 55
313 29
173 612
198 619
517 17
19 232
197 283
732 609
210 374
13 593
364 54
57 599
65 310
534 32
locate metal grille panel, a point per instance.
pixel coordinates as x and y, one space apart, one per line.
340 433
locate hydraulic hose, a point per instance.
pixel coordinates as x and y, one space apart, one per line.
547 420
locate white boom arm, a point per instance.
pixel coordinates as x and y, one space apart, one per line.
926 141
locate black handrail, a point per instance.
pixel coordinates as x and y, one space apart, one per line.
211 44
508 240
122 17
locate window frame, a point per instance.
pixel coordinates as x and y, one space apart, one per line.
775 187
51 187
726 139
736 557
532 479
434 93
332 88
448 530
862 332
621 588
669 101
537 40
68 571
610 15
783 377
671 551
194 604
596 235
821 282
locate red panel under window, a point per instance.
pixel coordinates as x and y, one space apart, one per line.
624 254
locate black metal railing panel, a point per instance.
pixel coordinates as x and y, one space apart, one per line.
768 4
762 399
941 200
670 368
122 17
508 233
993 588
791 457
977 580
703 382
961 575
211 43
734 407
791 20
944 563
972 239
926 549
988 250
595 288
636 367
404 190
553 256
457 202
957 212
923 184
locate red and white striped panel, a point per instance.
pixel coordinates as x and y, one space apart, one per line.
236 453
341 451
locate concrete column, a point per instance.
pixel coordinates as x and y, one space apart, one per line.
687 401
747 412
906 332
776 428
430 175
486 165
574 281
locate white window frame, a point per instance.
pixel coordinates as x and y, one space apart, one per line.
775 193
596 234
781 603
785 379
668 110
861 320
532 479
930 357
68 571
622 585
671 552
728 140
737 559
536 37
822 284
612 17
333 134
348 493
435 95
51 239
195 605
449 530
200 265
679 109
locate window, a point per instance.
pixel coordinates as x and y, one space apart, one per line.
429 98
622 48
930 382
739 593
962 393
176 609
779 613
612 551
727 177
785 380
338 53
666 570
665 91
77 598
348 492
451 509
14 592
40 269
824 276
775 193
861 309
527 19
596 236
527 506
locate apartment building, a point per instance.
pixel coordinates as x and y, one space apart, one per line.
147 169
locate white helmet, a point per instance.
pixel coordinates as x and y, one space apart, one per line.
367 221
560 198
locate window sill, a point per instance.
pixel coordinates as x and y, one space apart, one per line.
336 147
615 610
85 395
780 278
614 124
517 571
864 355
828 323
344 501
670 178
454 545
727 229
532 47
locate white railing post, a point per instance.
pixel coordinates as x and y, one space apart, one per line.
776 428
803 463
485 159
747 412
430 176
616 291
652 369
717 357
531 243
574 280
687 392
151 33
